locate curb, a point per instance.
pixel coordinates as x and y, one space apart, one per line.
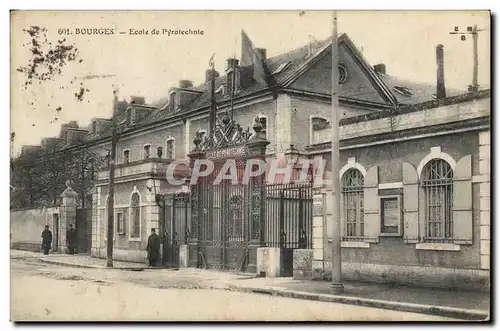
459 313
76 265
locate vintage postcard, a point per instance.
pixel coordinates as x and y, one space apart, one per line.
250 165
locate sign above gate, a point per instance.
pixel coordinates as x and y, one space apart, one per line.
227 134
226 152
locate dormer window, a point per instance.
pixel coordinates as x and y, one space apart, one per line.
126 156
147 151
171 102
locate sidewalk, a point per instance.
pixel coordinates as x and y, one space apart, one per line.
85 261
442 302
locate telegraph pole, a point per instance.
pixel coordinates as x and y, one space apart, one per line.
111 200
336 286
474 31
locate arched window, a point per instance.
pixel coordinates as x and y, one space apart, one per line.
437 182
135 216
236 218
352 192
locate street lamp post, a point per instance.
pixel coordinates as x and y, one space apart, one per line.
336 285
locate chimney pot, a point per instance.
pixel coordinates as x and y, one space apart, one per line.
380 68
262 52
440 86
232 62
137 100
185 83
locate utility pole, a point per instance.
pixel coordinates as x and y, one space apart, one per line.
474 86
474 31
336 285
111 200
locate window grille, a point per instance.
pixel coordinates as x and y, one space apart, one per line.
136 215
352 192
437 182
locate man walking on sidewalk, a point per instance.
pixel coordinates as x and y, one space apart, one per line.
46 240
153 248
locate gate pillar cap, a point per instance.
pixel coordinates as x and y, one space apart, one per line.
69 192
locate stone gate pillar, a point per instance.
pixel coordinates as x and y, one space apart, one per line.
193 241
256 148
67 213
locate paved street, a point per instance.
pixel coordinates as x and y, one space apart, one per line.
49 292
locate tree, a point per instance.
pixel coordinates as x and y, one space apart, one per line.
38 177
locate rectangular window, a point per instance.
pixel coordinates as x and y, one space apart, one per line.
170 149
147 151
390 215
126 156
120 221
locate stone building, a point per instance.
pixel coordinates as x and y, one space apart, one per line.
415 159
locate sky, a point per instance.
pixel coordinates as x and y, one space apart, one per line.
148 65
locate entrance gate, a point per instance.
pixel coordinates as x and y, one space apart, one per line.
227 213
232 217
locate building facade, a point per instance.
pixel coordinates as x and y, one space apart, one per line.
415 158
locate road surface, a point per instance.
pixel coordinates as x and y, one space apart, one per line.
43 292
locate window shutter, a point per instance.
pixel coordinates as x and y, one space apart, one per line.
410 204
371 205
462 201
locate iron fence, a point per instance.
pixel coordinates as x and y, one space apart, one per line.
288 215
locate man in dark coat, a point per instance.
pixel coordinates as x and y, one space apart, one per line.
71 239
153 248
46 240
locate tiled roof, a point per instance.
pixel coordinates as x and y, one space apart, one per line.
420 92
298 63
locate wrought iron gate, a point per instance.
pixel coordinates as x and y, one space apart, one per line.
288 214
226 214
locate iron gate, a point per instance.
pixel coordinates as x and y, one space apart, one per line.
288 214
83 227
225 214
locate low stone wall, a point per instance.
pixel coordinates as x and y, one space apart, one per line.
26 227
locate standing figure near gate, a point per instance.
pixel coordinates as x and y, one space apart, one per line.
153 248
46 240
71 239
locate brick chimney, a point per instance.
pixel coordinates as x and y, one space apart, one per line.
440 87
379 68
230 63
185 83
137 100
262 52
